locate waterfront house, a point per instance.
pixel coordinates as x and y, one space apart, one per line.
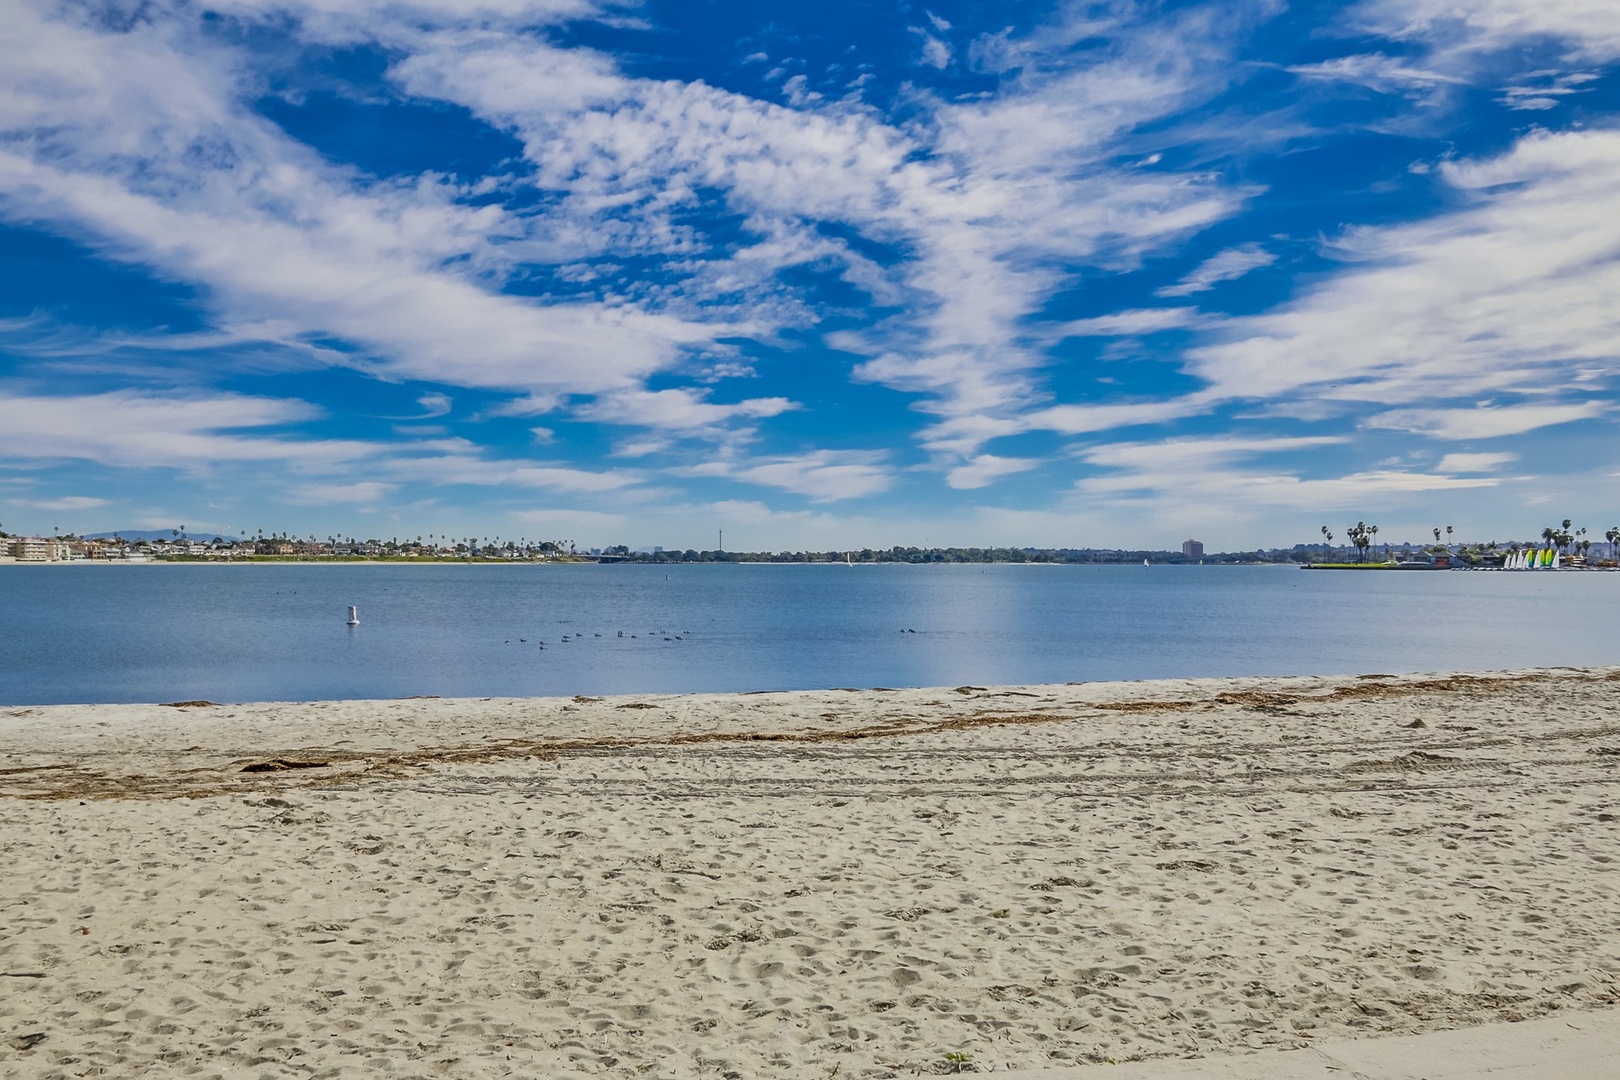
30 549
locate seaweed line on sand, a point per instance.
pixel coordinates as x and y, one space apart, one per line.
339 767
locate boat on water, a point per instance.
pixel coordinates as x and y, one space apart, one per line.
1534 559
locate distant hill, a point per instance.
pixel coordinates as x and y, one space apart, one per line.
158 534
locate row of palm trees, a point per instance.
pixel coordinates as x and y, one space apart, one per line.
1563 537
1361 534
1571 541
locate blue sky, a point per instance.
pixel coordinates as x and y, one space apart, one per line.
821 276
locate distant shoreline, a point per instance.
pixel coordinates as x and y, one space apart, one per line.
587 560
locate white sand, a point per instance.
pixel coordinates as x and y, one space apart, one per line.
1037 876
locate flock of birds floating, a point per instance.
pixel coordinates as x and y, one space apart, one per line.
580 636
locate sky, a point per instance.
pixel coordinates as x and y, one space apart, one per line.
822 276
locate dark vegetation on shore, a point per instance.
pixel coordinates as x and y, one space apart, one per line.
945 555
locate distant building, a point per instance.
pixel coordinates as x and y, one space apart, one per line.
1193 549
30 549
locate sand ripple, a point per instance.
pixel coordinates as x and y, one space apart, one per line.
817 884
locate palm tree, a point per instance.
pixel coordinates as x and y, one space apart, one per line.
1448 536
1327 549
1613 537
1360 535
1374 530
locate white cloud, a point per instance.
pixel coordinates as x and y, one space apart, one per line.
139 142
156 158
1485 422
128 429
1589 30
1233 479
985 469
145 144
1542 90
678 409
1229 265
478 471
1377 72
638 448
1200 453
68 503
434 405
1135 321
1084 419
1255 488
936 52
1474 463
365 494
1510 294
993 202
821 475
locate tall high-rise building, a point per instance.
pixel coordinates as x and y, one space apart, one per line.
1193 549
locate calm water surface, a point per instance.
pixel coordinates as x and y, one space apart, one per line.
276 631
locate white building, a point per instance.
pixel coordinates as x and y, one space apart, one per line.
30 549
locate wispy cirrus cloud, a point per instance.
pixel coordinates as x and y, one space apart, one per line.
991 200
1583 30
364 494
66 503
1508 295
1486 421
1229 265
1134 321
156 159
1213 475
1378 72
820 475
1475 463
136 430
984 469
927 249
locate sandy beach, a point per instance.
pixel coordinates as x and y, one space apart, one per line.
850 883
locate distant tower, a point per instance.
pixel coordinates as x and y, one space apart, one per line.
1193 549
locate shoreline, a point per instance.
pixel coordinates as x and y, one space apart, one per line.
788 884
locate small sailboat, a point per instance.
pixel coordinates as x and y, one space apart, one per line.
1144 562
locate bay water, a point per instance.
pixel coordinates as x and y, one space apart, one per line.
115 633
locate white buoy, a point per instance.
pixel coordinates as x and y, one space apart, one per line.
354 615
